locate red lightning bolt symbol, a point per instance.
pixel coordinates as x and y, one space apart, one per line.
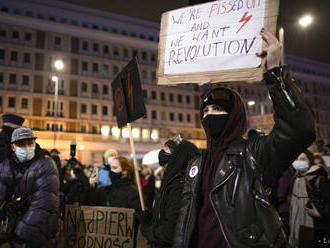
130 91
244 19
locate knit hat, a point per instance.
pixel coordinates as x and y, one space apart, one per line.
12 119
220 96
108 153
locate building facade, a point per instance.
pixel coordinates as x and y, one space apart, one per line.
94 46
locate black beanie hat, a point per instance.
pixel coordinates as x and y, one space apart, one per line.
12 118
220 96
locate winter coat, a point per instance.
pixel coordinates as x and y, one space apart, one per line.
284 191
149 191
121 194
239 196
40 222
103 177
160 231
316 191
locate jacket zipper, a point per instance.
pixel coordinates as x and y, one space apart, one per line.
235 186
282 84
262 200
188 223
221 226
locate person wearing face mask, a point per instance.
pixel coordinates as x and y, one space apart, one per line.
225 200
103 175
122 193
310 201
31 177
158 226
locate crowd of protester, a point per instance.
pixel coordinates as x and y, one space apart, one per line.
229 195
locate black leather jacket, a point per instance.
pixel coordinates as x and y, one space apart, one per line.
240 193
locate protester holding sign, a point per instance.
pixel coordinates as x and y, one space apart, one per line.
159 227
225 197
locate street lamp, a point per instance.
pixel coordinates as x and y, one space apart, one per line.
59 66
305 21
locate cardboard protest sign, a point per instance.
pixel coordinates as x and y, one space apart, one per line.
101 227
214 42
127 95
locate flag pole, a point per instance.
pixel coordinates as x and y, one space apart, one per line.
136 169
281 40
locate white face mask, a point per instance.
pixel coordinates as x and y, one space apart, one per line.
24 153
300 165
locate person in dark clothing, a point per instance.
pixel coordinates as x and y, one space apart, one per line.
122 193
9 123
225 200
310 202
284 192
29 188
76 190
149 187
54 154
159 226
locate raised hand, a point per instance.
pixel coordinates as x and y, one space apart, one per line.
272 50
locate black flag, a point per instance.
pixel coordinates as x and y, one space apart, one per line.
127 95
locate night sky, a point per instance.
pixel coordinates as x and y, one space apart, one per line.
312 42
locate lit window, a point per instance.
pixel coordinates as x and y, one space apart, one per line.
105 130
154 134
125 132
145 134
115 131
136 133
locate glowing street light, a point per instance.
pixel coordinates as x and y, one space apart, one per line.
59 65
251 103
54 78
305 21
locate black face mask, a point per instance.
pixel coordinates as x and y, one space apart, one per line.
163 157
115 176
214 125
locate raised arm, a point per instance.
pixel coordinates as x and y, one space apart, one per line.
294 127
